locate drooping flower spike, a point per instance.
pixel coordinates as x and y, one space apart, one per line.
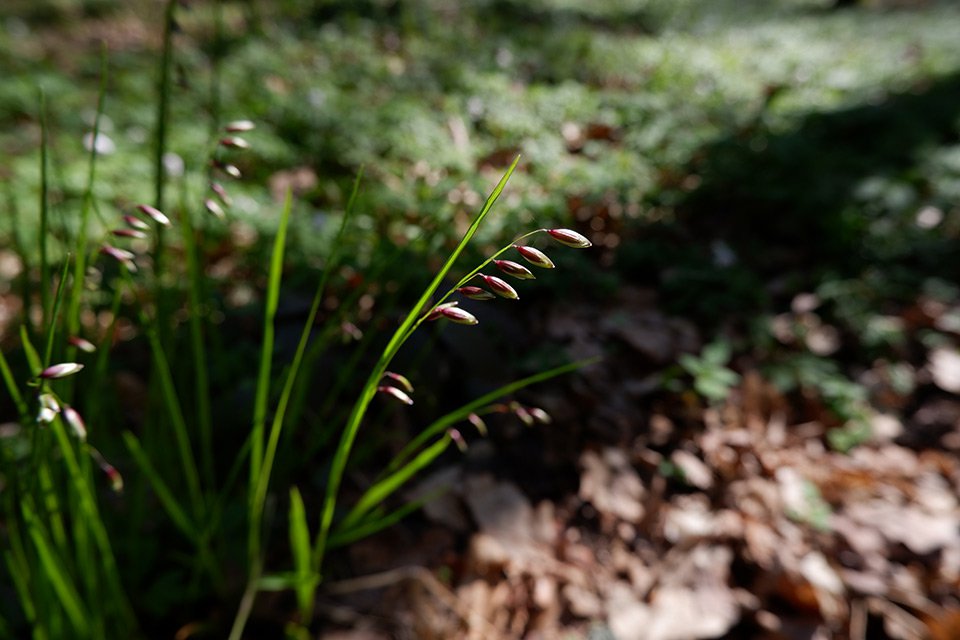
514 269
129 233
500 287
395 393
136 223
535 256
122 256
476 293
399 379
569 238
61 370
154 214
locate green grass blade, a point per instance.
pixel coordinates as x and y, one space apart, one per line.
13 389
44 212
33 358
371 526
52 320
173 508
266 346
339 463
384 488
53 568
300 550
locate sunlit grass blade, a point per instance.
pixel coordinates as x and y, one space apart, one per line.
385 487
374 522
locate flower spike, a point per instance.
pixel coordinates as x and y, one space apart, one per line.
514 269
535 257
476 293
569 238
396 393
500 287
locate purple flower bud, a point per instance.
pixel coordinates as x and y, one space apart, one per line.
129 233
218 189
136 223
458 315
154 214
399 379
76 423
235 142
478 424
514 269
458 440
437 312
214 208
535 257
120 255
396 393
239 126
500 287
569 238
80 343
476 293
61 370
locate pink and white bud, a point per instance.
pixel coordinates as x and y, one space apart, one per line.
214 208
396 393
540 415
234 142
129 233
81 343
61 370
514 269
122 256
478 424
458 440
569 238
500 287
116 480
399 379
458 315
437 312
351 330
154 214
49 407
73 419
475 293
521 412
221 193
239 126
535 257
136 223
231 170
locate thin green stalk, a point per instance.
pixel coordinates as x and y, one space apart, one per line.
339 463
198 350
44 214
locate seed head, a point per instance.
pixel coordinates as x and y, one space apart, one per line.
239 126
154 214
76 423
569 238
500 287
234 142
458 440
222 194
214 208
399 379
514 269
122 256
396 393
80 343
136 223
535 257
129 233
476 293
61 370
478 424
458 315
